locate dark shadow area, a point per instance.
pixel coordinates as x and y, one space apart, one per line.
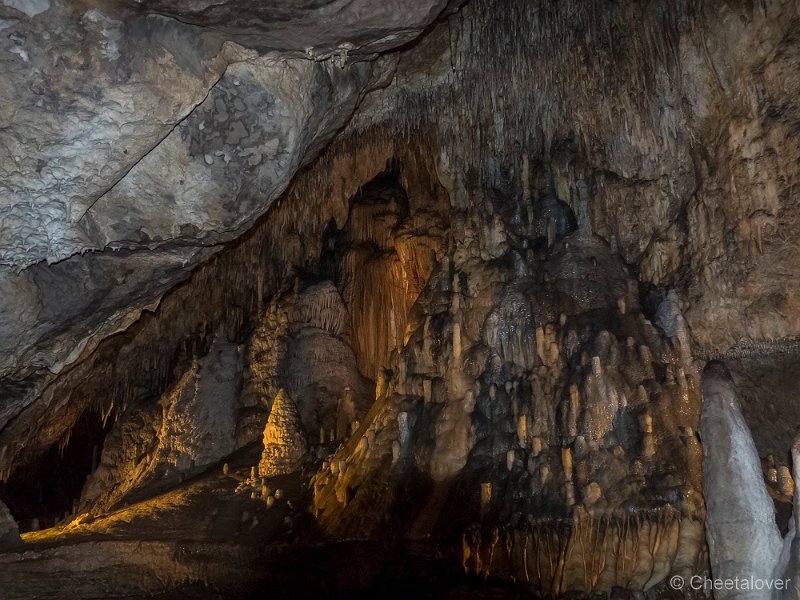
41 494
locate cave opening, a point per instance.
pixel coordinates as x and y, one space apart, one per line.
45 492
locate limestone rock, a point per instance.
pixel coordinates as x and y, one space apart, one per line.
9 532
742 535
162 138
309 326
193 427
285 446
361 28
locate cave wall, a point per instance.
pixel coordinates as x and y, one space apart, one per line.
135 144
668 129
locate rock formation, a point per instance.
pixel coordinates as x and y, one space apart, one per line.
285 445
428 295
743 537
9 531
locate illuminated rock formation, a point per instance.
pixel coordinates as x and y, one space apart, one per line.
606 460
285 446
304 327
193 427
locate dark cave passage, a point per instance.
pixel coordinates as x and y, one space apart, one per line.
41 494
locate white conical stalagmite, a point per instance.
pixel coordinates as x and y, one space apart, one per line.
744 540
284 439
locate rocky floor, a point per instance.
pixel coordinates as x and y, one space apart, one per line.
204 539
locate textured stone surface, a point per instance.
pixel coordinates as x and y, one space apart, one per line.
683 160
135 131
302 328
742 535
285 444
152 449
317 28
9 532
518 376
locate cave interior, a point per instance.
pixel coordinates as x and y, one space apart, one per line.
437 299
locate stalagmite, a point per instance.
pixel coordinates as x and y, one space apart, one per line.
545 473
788 567
670 376
569 493
395 451
647 359
9 530
566 463
522 431
592 493
510 458
785 481
345 414
743 538
574 410
403 428
455 436
381 384
284 439
540 344
646 423
486 497
597 366
772 475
